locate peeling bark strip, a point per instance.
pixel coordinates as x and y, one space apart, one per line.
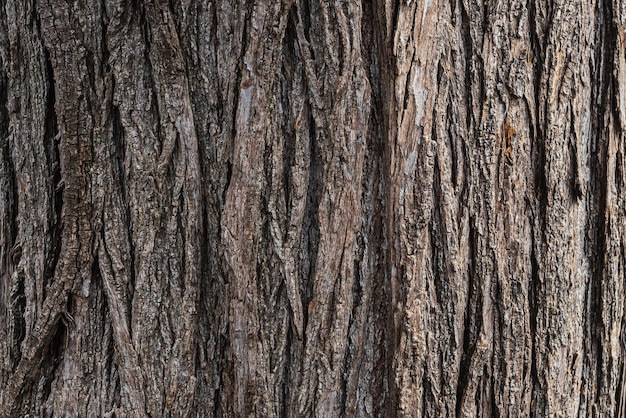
312 208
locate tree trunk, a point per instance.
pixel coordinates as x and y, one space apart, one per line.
312 208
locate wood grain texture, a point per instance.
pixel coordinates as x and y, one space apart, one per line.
312 208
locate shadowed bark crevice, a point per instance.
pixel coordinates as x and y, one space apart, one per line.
469 328
52 139
10 252
311 222
17 325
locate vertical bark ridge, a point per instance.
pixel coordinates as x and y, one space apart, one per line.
8 204
72 297
118 248
215 44
426 268
340 112
242 238
7 207
26 69
179 153
25 62
609 394
563 111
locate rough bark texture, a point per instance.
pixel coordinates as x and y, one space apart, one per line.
312 208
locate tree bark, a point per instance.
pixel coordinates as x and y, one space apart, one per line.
312 208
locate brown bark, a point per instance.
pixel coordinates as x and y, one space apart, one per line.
312 208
